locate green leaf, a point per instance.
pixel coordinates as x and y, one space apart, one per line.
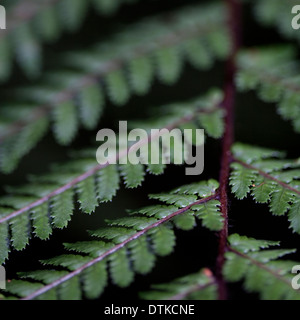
255 279
22 288
185 221
158 211
108 181
45 276
275 291
288 107
14 148
16 202
156 169
143 260
280 201
41 222
30 136
288 176
198 54
72 13
141 74
246 80
219 43
261 269
28 51
270 92
235 267
133 174
117 235
94 280
117 87
249 154
179 200
79 69
203 188
246 244
87 195
268 255
210 215
262 189
91 103
70 290
138 223
241 179
120 271
65 122
191 287
163 240
20 231
169 64
213 123
92 248
69 261
273 72
62 209
294 216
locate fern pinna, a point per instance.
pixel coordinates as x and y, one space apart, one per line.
122 67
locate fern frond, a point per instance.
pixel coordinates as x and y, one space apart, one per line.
48 201
198 286
33 22
137 238
261 270
270 180
274 74
115 67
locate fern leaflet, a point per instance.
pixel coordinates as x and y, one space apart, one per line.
260 270
59 91
123 238
198 286
28 205
273 181
44 21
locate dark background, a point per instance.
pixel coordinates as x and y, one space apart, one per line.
255 123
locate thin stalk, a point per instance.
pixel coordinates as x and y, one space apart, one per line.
234 8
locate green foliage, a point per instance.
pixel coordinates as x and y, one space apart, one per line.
133 174
270 180
139 238
273 73
198 286
44 22
28 205
108 180
261 270
210 215
213 123
241 180
76 97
